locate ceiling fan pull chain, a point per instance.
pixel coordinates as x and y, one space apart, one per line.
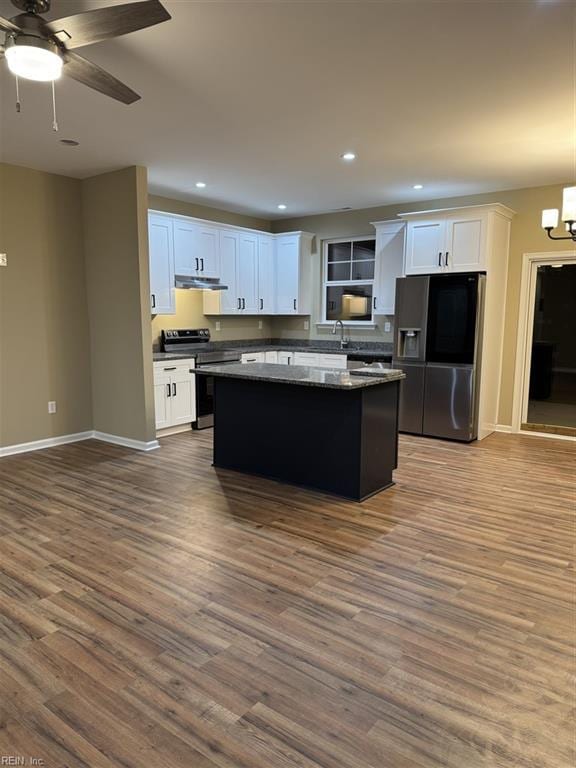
17 94
54 119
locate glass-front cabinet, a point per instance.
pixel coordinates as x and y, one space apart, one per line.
349 269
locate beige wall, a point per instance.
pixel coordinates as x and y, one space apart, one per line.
526 236
44 342
116 249
189 304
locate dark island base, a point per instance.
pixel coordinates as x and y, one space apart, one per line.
344 442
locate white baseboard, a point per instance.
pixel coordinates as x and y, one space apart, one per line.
49 442
530 433
503 428
126 442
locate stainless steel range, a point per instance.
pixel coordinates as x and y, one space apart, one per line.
196 343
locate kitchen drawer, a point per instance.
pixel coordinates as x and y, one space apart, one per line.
306 358
332 361
254 357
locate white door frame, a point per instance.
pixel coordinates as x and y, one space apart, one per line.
530 264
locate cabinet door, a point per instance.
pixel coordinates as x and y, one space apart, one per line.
161 253
389 265
162 399
287 275
186 257
271 357
182 397
266 301
425 247
208 251
229 299
247 272
466 244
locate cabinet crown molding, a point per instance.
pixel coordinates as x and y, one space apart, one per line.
499 208
390 225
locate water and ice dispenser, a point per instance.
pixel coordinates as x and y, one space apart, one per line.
409 344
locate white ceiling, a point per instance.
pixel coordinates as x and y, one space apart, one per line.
259 99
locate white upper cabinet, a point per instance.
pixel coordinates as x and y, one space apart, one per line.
196 249
293 277
266 275
228 301
161 255
466 244
425 246
390 242
247 273
452 240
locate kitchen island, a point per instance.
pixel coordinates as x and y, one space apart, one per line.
321 428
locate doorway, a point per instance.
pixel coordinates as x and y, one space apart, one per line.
549 381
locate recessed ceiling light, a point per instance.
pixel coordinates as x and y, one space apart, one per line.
200 184
70 142
348 156
418 186
282 207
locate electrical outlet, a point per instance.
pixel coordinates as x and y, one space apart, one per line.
52 406
387 327
218 325
306 325
3 259
260 325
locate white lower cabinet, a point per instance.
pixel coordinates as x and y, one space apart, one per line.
332 361
307 358
271 357
174 393
285 358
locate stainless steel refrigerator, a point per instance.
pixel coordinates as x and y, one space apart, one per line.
437 345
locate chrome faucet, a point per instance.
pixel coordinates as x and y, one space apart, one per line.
343 342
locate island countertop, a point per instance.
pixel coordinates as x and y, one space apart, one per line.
328 378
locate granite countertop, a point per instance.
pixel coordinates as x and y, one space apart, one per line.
328 378
246 347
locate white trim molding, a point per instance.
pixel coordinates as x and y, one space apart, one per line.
49 442
126 442
52 442
503 428
530 262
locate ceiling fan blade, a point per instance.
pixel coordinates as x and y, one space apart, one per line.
8 26
87 73
103 23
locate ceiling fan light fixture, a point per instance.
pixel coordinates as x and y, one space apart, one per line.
34 59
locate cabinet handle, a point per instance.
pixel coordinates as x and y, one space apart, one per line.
446 263
243 303
201 265
239 303
261 304
294 303
374 303
169 390
170 369
173 390
440 259
197 265
153 301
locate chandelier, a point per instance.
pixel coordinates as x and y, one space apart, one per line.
550 216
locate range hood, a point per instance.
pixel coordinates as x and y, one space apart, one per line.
200 283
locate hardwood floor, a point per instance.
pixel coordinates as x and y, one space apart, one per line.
155 612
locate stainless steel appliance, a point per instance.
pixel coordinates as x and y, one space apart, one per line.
438 328
196 342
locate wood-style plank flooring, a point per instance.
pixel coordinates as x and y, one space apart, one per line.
155 612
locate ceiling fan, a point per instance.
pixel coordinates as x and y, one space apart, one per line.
38 49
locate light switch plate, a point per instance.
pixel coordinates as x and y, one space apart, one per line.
218 325
306 325
387 327
51 406
3 259
259 325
